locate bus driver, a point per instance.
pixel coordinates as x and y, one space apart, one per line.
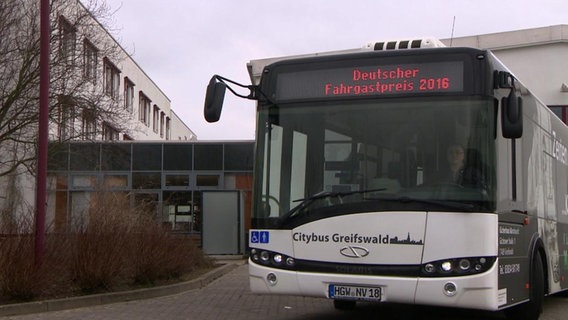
459 171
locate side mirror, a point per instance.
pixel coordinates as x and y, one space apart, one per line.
214 100
512 116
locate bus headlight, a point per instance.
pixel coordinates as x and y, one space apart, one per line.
447 266
254 255
290 261
272 259
464 264
457 266
277 258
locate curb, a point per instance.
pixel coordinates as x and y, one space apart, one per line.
113 297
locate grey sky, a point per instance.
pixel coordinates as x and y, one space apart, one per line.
180 44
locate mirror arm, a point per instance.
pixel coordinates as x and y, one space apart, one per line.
505 80
252 89
216 92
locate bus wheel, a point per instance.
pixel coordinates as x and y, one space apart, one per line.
344 304
532 309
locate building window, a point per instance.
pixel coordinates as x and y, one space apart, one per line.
115 157
208 157
146 180
89 125
144 109
207 180
84 156
115 182
128 94
147 157
111 79
162 124
238 157
90 53
109 132
177 180
177 157
156 119
168 128
67 36
84 181
66 118
560 112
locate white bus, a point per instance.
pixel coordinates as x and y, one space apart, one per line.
415 176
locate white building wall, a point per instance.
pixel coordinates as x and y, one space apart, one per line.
128 68
537 57
543 69
142 83
180 132
17 190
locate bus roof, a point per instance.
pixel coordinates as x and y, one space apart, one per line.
255 67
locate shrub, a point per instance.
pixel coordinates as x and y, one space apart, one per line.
96 260
21 277
157 254
110 246
100 243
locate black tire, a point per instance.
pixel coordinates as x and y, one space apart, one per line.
532 309
344 304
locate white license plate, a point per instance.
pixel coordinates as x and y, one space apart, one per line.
337 291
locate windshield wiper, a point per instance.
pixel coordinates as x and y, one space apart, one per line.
335 194
304 203
443 203
321 195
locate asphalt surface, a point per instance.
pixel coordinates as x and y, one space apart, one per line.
228 297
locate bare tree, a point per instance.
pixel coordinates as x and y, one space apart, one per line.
84 79
84 100
19 82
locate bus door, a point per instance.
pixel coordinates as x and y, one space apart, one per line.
516 224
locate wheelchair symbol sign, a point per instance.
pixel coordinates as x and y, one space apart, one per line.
259 237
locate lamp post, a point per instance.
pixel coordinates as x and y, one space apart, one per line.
41 185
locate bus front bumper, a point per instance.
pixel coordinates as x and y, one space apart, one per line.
475 291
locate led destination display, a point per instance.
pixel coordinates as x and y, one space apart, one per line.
375 80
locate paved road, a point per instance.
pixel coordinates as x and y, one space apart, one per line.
229 298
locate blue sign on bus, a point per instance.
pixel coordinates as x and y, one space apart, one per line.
259 237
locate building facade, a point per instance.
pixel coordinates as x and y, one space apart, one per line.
97 92
165 179
145 110
537 57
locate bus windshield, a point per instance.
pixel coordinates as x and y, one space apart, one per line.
316 160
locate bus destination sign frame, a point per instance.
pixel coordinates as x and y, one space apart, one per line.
371 81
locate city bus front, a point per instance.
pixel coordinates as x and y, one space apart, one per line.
374 180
